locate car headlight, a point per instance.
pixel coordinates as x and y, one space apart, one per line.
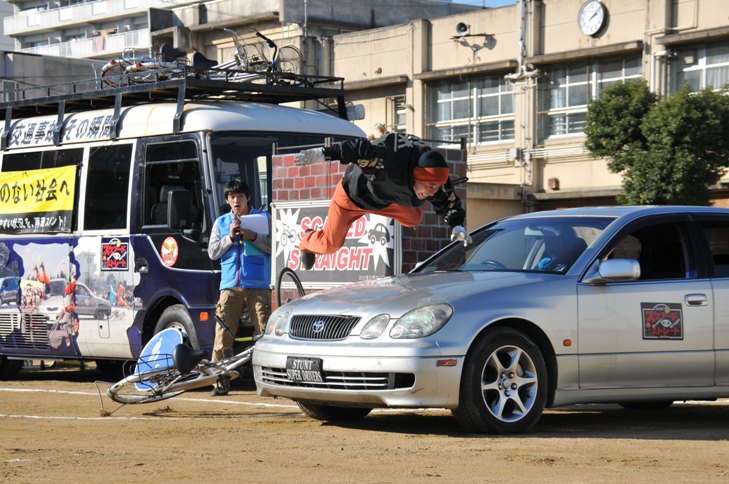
421 322
375 327
278 322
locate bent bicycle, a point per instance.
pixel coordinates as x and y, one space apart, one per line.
168 366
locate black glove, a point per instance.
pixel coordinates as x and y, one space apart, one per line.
455 217
330 153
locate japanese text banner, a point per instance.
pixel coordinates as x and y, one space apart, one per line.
36 201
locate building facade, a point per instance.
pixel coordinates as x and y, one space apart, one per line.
515 82
94 30
102 29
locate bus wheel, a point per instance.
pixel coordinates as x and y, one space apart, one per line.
177 317
9 368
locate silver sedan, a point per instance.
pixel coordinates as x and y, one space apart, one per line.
627 305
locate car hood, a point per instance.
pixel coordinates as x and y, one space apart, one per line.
53 303
399 294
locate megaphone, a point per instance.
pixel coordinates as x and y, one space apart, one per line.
462 29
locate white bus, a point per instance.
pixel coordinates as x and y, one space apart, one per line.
105 213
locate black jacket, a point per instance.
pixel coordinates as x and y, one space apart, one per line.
381 173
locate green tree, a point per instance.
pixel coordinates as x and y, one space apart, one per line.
670 151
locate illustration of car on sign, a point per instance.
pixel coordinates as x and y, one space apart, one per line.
626 305
379 232
86 302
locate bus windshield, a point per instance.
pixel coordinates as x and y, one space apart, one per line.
247 157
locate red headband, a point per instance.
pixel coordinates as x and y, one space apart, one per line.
437 175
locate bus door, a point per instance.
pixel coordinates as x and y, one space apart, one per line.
102 258
171 225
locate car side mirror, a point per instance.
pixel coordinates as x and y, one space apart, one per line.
613 270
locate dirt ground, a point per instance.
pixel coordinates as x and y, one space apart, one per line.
52 430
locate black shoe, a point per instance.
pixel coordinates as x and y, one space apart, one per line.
222 387
218 392
307 260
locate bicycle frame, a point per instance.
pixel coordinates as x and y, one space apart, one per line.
137 71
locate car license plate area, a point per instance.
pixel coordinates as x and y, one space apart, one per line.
304 370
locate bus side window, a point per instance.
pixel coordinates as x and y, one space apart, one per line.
34 160
107 187
171 166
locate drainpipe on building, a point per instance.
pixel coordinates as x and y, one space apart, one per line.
522 78
305 40
659 60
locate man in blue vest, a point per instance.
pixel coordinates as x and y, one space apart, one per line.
245 262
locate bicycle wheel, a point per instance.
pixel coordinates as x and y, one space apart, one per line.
140 388
254 58
288 287
113 72
289 60
146 76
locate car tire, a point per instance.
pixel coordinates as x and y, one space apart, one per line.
9 369
373 239
333 413
176 316
383 241
503 385
649 405
101 313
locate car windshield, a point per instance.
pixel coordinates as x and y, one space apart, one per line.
57 287
549 244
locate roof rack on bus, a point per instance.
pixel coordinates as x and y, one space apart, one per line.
78 95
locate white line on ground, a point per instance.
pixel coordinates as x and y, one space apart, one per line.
202 400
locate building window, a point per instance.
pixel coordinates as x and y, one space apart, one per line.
700 67
479 109
566 91
397 114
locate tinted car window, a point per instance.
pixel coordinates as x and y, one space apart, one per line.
717 235
661 249
57 287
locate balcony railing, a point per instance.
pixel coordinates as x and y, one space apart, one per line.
100 46
29 21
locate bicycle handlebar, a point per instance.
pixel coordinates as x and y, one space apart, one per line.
270 42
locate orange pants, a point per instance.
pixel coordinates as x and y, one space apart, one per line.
341 216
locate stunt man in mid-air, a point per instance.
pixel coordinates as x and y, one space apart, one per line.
392 176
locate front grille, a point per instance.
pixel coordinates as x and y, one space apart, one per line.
26 331
339 380
9 322
328 328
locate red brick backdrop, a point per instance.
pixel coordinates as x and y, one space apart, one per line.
317 182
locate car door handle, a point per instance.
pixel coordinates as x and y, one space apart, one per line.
695 299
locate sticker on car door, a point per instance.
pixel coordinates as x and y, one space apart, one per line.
662 320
